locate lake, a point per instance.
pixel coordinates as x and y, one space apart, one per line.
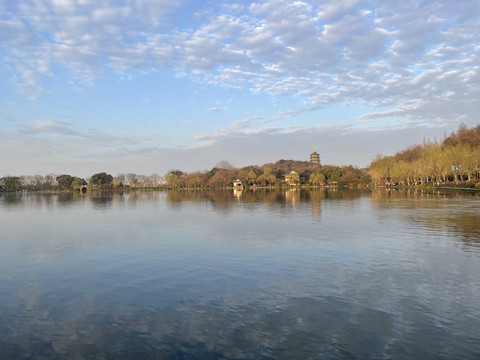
253 275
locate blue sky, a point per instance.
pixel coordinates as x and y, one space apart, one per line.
146 86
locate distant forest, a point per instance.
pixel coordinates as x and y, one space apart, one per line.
455 159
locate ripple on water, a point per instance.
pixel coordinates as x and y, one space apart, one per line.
278 277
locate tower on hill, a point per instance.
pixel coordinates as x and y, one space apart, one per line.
315 157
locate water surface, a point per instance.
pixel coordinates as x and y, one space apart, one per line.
258 275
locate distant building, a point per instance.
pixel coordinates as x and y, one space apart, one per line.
293 178
238 184
315 157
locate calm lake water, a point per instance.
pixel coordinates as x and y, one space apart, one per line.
264 275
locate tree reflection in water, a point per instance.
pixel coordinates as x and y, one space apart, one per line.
275 274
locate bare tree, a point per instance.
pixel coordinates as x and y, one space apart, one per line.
224 165
131 179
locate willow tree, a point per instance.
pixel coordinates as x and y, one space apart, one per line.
268 177
195 179
174 178
402 172
381 168
317 178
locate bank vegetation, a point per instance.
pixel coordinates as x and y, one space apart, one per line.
455 159
280 173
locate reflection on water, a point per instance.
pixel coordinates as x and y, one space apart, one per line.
440 212
301 329
290 274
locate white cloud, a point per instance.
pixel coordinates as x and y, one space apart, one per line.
217 109
15 33
111 15
384 53
48 126
63 5
335 8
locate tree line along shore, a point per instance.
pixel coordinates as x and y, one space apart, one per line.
453 161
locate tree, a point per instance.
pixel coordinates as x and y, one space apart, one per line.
420 170
131 179
174 178
464 136
410 154
142 181
268 177
251 175
64 182
248 174
11 183
102 180
121 179
77 183
221 177
49 181
402 172
195 180
469 160
457 157
28 182
380 169
350 175
38 181
366 179
317 178
155 179
336 174
225 165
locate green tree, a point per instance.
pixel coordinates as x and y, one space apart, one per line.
248 174
64 182
336 174
268 177
402 172
77 183
174 178
366 179
102 180
317 178
381 168
11 183
469 160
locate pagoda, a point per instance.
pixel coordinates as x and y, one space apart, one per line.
315 157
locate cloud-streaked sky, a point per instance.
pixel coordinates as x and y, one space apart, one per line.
150 85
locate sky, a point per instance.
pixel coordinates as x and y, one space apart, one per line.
146 86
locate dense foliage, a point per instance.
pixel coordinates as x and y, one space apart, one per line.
222 175
456 158
283 172
67 182
102 180
35 183
10 183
